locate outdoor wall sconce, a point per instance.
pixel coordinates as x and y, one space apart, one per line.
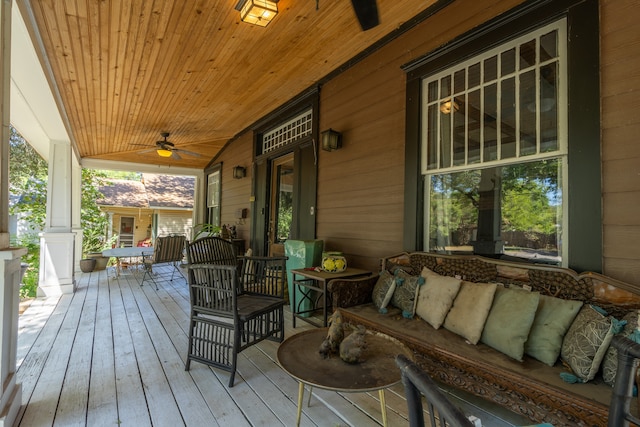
331 140
257 12
239 172
164 153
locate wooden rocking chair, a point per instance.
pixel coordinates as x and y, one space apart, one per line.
168 249
231 311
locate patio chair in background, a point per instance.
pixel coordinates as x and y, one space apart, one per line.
167 249
231 311
441 411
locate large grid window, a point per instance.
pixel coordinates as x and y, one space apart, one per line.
494 149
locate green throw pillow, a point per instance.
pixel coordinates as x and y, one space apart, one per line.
509 321
553 319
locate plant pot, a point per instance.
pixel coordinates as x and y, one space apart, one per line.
87 265
101 261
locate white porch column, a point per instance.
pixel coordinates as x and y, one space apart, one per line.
57 243
76 197
10 392
11 396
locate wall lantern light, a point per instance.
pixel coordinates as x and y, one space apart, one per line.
257 12
164 153
239 172
331 140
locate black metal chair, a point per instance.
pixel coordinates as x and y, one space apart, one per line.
619 408
231 311
167 249
441 411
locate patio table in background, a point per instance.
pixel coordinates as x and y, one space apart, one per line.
132 252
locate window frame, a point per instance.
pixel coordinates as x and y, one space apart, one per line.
584 207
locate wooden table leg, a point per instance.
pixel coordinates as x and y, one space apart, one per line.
383 407
300 399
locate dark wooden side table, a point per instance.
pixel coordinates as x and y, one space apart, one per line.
307 281
298 355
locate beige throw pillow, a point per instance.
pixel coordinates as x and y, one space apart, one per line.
470 310
436 297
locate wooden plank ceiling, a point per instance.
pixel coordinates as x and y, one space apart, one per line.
127 70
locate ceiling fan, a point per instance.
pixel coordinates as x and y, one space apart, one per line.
166 148
366 12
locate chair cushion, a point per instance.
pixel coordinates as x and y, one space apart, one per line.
250 306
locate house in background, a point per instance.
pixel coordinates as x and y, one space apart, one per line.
140 211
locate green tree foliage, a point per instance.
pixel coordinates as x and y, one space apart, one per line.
28 182
94 222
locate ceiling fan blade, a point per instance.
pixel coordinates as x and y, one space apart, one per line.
146 151
188 153
175 155
367 13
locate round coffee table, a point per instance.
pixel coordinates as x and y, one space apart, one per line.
299 357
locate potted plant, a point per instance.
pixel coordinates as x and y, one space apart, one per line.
87 265
205 230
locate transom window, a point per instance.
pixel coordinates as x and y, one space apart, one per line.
494 150
288 132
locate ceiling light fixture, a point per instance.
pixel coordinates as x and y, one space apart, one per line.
258 12
164 153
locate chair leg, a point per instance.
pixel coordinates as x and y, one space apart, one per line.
234 356
147 271
192 325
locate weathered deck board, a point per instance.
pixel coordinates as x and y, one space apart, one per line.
113 353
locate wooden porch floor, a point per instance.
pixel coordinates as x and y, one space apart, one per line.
113 354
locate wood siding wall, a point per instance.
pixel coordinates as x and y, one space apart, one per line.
236 192
620 100
361 187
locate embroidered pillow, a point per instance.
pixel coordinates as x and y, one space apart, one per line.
405 297
509 321
436 296
553 319
586 342
610 362
383 291
470 310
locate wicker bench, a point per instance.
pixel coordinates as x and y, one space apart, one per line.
529 388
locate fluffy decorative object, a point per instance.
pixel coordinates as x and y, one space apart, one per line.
334 337
352 346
